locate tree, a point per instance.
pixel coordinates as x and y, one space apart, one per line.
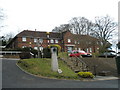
81 25
6 39
1 18
103 30
62 28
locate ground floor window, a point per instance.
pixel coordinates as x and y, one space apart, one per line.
90 49
23 46
35 48
69 49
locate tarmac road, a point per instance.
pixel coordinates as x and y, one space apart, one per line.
13 77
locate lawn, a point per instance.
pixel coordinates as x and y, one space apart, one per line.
42 67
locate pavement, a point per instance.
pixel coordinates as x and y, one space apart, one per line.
13 77
105 78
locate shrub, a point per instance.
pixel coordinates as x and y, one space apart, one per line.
55 45
85 74
25 55
47 53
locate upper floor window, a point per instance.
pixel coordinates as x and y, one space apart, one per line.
56 41
35 40
69 40
24 39
48 36
48 41
41 40
51 41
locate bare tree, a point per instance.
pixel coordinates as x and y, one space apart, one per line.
81 25
62 28
104 27
1 17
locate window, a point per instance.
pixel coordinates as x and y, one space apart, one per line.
90 49
23 39
48 36
79 49
97 48
78 42
36 48
23 46
75 42
48 41
69 40
51 41
75 48
41 48
35 40
41 40
87 50
56 41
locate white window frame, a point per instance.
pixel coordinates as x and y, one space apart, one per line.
41 48
90 49
51 41
69 41
35 39
48 36
23 46
41 40
48 41
24 39
56 41
36 48
87 50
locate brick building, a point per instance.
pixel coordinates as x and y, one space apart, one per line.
66 40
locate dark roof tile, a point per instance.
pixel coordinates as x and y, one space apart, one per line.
28 33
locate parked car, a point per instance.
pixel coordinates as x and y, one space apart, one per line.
79 53
108 54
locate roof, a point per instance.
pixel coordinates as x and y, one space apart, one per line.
84 37
28 33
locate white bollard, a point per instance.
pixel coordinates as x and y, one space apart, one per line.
54 63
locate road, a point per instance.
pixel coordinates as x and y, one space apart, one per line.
13 77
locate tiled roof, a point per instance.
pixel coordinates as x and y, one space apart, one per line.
28 33
83 37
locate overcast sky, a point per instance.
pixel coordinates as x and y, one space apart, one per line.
44 15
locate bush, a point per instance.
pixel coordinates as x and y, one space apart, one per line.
25 55
47 53
85 74
55 45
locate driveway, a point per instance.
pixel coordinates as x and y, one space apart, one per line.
13 77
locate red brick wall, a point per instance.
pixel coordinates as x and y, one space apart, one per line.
34 44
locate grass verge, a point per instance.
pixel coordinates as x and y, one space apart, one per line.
42 67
